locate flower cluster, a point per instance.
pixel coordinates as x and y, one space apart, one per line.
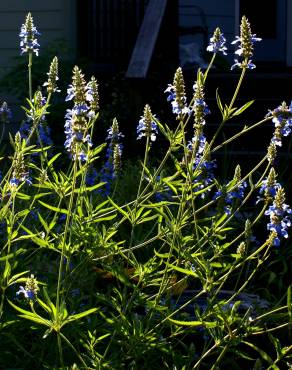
91 176
228 197
52 77
36 123
147 126
31 288
5 113
217 42
199 156
28 33
200 107
176 94
269 187
19 173
245 47
282 118
78 119
113 157
279 217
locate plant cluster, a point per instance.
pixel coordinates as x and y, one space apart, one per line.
150 266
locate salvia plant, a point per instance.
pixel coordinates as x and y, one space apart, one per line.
154 264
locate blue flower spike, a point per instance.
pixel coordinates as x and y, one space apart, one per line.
245 45
30 290
28 33
217 42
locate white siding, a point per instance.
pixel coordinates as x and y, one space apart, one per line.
54 19
217 14
207 14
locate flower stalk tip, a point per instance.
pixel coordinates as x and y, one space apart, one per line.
245 47
28 33
217 42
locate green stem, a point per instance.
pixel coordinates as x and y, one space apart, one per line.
29 75
209 67
243 131
227 115
214 367
60 350
2 301
68 218
237 89
139 191
73 348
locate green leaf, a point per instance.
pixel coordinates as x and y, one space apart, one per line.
36 319
50 303
219 103
43 222
289 305
44 306
22 196
7 270
264 355
105 218
52 208
161 255
207 324
80 315
243 108
124 213
182 270
15 278
276 344
30 315
52 160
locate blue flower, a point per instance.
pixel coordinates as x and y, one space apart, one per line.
31 288
231 192
200 107
268 190
280 220
201 163
5 113
91 176
217 42
248 65
28 33
282 118
143 129
17 180
245 45
78 119
29 294
43 136
176 94
147 126
113 158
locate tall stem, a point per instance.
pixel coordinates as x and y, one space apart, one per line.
139 189
237 88
70 206
29 75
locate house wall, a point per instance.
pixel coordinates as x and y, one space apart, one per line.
216 16
54 19
206 13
